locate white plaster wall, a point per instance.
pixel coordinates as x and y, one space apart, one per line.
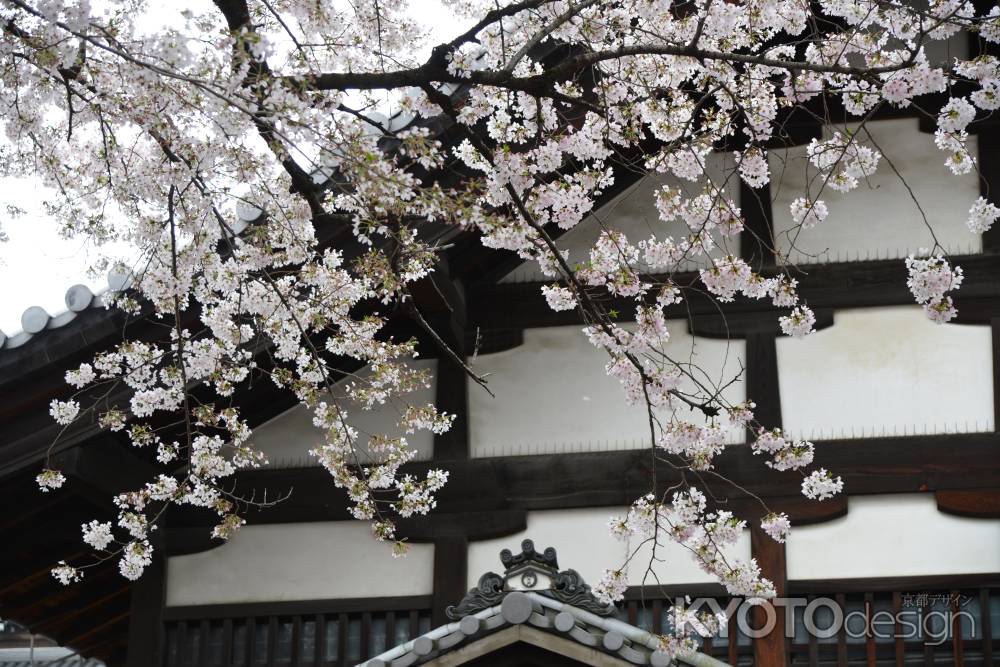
893 536
287 438
879 219
886 370
583 543
298 561
634 213
553 394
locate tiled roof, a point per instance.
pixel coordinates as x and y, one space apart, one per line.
35 319
531 612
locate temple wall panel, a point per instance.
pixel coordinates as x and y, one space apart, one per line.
879 219
287 438
893 536
886 371
553 394
298 561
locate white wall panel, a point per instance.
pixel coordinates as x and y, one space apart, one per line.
886 370
583 543
879 218
553 394
634 213
893 536
298 561
287 438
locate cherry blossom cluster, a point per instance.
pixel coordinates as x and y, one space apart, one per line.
930 279
687 521
785 454
163 138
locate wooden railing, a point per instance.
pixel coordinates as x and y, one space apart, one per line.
320 633
890 622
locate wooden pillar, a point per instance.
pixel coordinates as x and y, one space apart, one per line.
145 629
770 650
762 388
995 330
989 181
762 378
757 238
452 396
451 566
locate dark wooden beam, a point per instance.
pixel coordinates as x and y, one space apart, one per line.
102 468
469 525
76 608
746 324
296 608
823 286
907 464
976 503
47 601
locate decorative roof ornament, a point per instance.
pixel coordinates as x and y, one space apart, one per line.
530 571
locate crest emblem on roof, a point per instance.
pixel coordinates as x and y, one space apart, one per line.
533 571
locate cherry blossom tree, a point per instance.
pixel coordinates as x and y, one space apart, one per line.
174 136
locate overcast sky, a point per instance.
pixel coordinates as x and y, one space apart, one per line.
37 266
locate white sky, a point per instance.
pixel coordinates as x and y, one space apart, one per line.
37 266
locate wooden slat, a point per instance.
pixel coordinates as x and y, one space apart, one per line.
366 635
296 638
320 647
956 628
985 625
182 647
342 621
869 631
272 641
733 638
414 624
227 642
204 631
899 648
813 650
841 634
251 640
928 648
390 629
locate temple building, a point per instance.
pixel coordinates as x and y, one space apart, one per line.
904 410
